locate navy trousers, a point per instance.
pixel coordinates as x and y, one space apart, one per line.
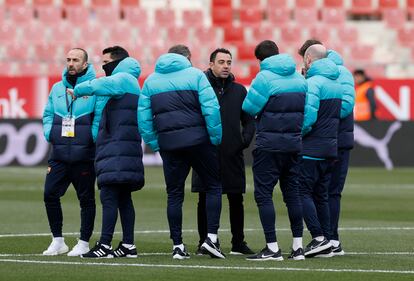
336 186
114 198
60 175
236 212
177 164
314 179
268 169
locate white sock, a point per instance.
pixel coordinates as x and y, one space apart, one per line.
297 243
181 246
274 247
319 238
335 243
127 245
59 239
213 237
83 243
106 246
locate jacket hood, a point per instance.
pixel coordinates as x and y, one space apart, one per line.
170 62
335 57
128 65
282 64
89 75
323 67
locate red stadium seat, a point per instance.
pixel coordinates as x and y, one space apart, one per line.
271 4
291 35
410 9
206 34
136 16
394 18
76 14
120 34
321 33
250 3
221 3
362 7
278 16
37 3
347 34
193 18
92 34
165 17
388 4
406 36
251 16
149 35
264 32
254 68
361 53
7 33
72 2
233 34
157 51
21 14
333 16
55 69
34 32
306 15
245 52
49 14
16 52
129 3
177 35
14 2
306 4
107 15
95 3
222 16
46 52
375 70
6 68
333 4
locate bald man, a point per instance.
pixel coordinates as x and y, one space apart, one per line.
319 137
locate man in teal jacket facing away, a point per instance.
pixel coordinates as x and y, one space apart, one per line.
68 125
179 115
277 99
118 161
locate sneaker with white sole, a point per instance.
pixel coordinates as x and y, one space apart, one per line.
57 247
127 252
179 254
316 246
297 255
338 251
266 255
213 248
82 247
99 251
327 253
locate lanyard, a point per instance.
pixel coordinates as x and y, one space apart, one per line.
69 105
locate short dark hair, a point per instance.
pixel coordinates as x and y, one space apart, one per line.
265 49
85 54
359 72
307 44
213 55
181 50
116 52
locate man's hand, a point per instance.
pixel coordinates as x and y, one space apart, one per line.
71 93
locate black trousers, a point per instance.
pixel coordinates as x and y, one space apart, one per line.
177 165
60 175
236 210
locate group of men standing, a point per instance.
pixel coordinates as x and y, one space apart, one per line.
203 121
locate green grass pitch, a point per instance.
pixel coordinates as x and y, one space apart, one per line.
377 234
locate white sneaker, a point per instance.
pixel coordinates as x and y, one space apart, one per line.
57 247
79 249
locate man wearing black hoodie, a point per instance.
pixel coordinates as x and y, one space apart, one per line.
235 139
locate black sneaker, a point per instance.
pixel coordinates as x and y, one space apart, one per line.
241 249
201 251
123 251
213 249
337 251
99 251
266 255
316 246
297 255
327 253
179 254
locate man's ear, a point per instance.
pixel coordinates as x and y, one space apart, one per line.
211 64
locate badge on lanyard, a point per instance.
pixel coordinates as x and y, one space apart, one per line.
68 127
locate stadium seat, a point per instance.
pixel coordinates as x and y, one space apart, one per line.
17 52
6 68
245 52
305 15
177 35
206 34
14 2
278 16
264 32
165 17
157 51
410 9
251 16
221 3
107 3
306 4
333 4
29 68
271 4
136 16
406 36
193 18
121 34
129 3
55 69
321 33
245 4
92 34
291 35
107 15
254 68
375 70
222 16
394 18
34 32
149 35
49 14
361 53
347 34
333 16
7 33
20 14
362 7
46 52
38 3
388 4
72 2
76 14
233 34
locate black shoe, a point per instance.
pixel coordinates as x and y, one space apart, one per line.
327 253
123 251
99 251
179 254
265 255
297 255
316 246
337 251
241 249
201 251
213 249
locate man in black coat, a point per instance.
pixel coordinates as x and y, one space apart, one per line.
230 96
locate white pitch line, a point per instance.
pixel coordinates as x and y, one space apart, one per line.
174 266
194 230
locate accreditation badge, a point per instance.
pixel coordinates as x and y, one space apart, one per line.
68 127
